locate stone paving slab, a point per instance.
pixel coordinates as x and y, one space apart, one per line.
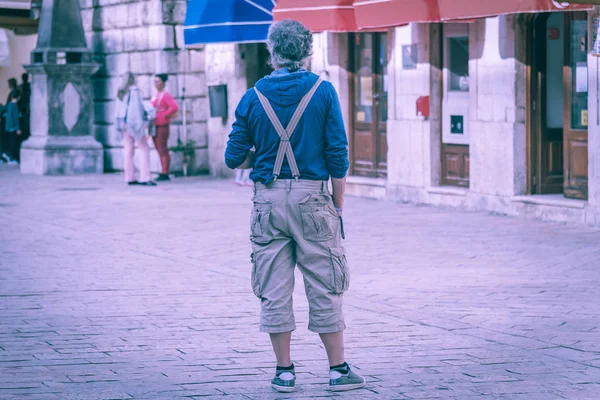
116 292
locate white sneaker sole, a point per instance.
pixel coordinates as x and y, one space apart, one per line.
283 389
344 388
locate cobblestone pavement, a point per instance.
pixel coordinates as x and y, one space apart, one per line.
115 292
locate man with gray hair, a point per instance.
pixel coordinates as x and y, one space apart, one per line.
294 121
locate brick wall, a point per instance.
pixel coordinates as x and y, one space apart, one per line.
146 37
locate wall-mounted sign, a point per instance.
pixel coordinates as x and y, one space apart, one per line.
217 97
423 106
409 56
584 117
457 125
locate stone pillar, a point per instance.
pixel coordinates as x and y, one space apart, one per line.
224 65
593 210
498 131
61 139
409 156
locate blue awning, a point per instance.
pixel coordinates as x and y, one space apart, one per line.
222 21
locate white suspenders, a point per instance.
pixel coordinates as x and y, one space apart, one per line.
285 148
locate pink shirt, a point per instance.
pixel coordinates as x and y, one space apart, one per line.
167 108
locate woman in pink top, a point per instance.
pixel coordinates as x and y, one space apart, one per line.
166 108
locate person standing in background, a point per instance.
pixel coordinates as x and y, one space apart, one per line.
4 137
12 86
166 108
25 106
242 177
132 125
12 125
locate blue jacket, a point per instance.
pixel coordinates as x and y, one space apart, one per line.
319 143
12 116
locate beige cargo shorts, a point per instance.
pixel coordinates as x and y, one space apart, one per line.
295 223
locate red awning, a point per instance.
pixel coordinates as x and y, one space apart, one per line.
318 15
453 9
388 13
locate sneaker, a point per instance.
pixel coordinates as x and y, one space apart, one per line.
340 382
163 177
284 381
131 183
149 183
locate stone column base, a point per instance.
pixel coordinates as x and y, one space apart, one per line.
55 155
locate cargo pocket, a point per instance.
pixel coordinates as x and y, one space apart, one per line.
260 223
340 278
254 279
318 219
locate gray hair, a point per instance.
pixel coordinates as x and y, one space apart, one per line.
290 44
127 81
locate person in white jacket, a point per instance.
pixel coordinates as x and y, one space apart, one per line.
132 124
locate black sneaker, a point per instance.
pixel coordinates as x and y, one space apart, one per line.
284 381
163 177
131 183
149 183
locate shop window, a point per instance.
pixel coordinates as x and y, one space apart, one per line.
458 57
579 74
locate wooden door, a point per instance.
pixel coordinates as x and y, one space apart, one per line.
548 103
576 107
368 56
455 106
559 107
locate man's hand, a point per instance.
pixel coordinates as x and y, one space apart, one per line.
248 162
339 211
339 189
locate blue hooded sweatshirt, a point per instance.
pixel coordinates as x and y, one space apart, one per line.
12 117
319 143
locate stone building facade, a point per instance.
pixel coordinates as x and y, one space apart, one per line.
145 37
492 104
239 67
443 114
